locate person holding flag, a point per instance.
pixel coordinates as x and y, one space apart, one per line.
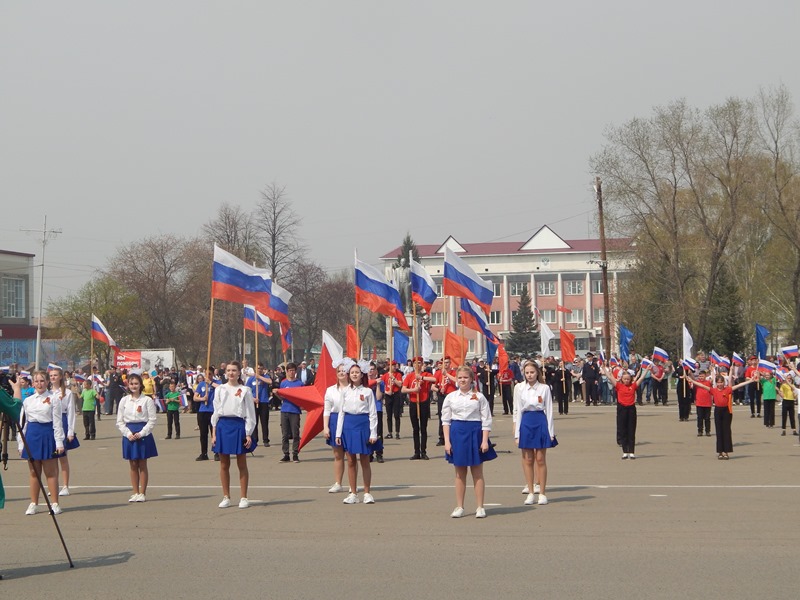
417 385
393 398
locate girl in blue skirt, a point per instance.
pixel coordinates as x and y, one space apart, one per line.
466 422
45 436
234 420
357 431
136 418
533 427
58 388
334 397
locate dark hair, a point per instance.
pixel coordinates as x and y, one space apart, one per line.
291 365
136 376
238 366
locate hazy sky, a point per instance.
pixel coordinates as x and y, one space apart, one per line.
122 119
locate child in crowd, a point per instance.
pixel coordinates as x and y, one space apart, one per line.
89 405
173 400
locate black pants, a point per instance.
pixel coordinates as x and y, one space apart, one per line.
722 425
660 389
380 430
88 424
204 422
626 427
262 418
787 409
703 418
393 407
562 397
769 413
577 389
290 428
490 400
592 392
173 416
755 397
508 399
420 425
684 400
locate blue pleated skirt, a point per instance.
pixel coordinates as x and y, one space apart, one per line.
355 435
533 432
67 444
332 422
230 434
41 441
465 442
141 449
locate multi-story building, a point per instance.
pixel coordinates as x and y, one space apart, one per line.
556 272
17 335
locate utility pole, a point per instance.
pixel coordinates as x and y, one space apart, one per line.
46 235
598 187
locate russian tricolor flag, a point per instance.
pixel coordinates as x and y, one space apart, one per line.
473 317
286 337
184 400
233 280
690 363
714 358
790 351
646 363
100 333
738 360
461 281
724 362
765 365
255 321
660 353
613 361
279 304
423 289
375 293
78 377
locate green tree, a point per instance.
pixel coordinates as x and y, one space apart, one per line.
524 339
407 246
725 331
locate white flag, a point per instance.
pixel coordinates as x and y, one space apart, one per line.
334 348
688 342
545 334
427 344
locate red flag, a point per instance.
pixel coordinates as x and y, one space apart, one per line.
567 345
374 353
563 309
353 349
502 358
454 347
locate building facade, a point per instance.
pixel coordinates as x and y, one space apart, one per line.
17 335
555 272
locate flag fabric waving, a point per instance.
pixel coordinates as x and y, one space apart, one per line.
714 358
286 337
737 360
625 337
563 309
461 281
423 289
689 363
545 335
688 342
766 366
761 340
233 280
427 344
374 292
400 347
353 347
502 358
790 351
724 362
567 345
660 353
278 308
473 317
100 333
454 347
256 321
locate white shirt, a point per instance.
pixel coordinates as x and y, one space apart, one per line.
535 397
68 408
358 401
334 399
467 406
136 410
235 401
43 408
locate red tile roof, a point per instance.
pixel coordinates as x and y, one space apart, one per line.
506 248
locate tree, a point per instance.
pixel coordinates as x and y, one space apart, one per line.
408 246
523 339
281 245
235 230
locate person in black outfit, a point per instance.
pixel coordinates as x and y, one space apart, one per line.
560 382
591 375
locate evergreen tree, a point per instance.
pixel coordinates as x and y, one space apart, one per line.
523 339
407 246
725 325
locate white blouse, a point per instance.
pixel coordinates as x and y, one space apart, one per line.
533 397
358 401
334 399
43 408
235 401
467 406
136 410
68 408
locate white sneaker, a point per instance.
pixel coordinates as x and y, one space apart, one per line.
31 509
625 456
134 498
480 513
226 502
351 499
632 456
542 499
64 491
368 499
56 508
457 513
537 489
529 500
140 498
526 490
244 503
335 488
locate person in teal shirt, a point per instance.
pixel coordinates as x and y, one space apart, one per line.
769 395
173 399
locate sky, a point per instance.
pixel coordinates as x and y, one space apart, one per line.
120 120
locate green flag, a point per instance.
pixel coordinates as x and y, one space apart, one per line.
13 408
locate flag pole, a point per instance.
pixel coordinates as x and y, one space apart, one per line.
414 313
244 337
210 327
258 381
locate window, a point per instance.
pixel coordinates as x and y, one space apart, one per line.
548 316
573 287
437 318
437 346
597 286
497 287
582 344
546 288
513 315
517 287
438 290
495 317
598 315
13 298
576 316
470 346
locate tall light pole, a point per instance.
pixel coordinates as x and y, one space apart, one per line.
46 234
598 186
